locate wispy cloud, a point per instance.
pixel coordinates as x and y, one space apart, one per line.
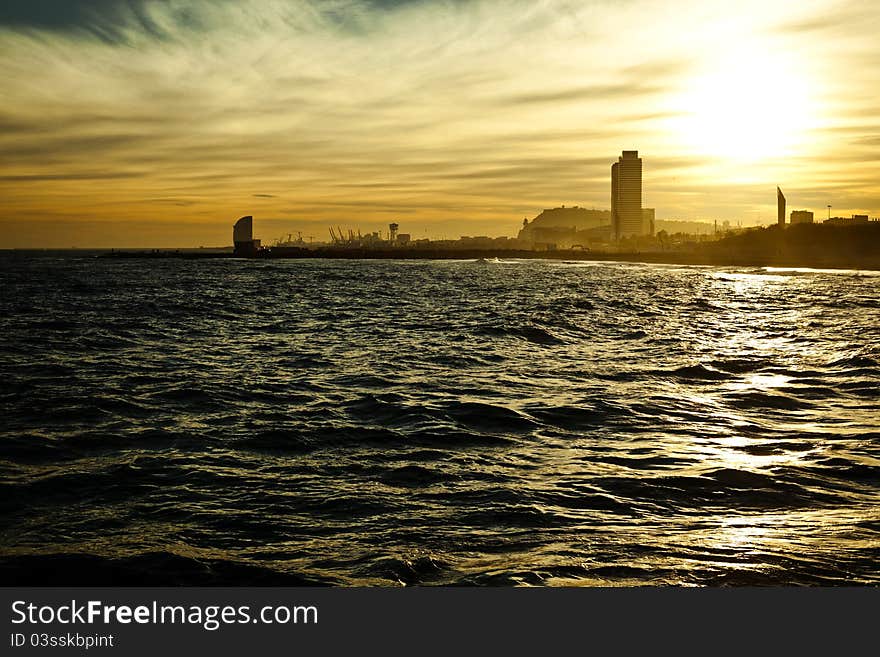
621 90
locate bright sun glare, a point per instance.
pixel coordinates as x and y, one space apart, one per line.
749 105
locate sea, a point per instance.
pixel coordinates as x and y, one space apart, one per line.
172 421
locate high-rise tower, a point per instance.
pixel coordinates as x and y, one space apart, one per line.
780 207
626 195
243 240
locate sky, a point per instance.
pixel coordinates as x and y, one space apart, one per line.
157 123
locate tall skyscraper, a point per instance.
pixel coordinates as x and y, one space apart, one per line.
626 195
780 207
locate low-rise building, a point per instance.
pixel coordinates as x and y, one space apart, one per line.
854 220
801 217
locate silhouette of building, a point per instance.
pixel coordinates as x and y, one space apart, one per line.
243 240
855 220
780 207
648 221
626 195
801 217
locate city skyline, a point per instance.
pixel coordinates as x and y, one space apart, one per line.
155 124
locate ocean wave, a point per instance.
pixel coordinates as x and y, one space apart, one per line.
320 422
149 569
698 371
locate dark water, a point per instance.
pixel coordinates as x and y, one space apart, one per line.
377 422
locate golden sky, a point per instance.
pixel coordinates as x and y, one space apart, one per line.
135 123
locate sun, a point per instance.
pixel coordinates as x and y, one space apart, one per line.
745 105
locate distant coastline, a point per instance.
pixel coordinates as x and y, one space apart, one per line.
672 258
817 246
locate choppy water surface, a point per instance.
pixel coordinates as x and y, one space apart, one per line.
523 422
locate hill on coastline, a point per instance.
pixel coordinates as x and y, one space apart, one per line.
673 226
571 217
808 245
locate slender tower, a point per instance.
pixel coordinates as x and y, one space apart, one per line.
780 207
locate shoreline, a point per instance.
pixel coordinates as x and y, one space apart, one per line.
648 257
